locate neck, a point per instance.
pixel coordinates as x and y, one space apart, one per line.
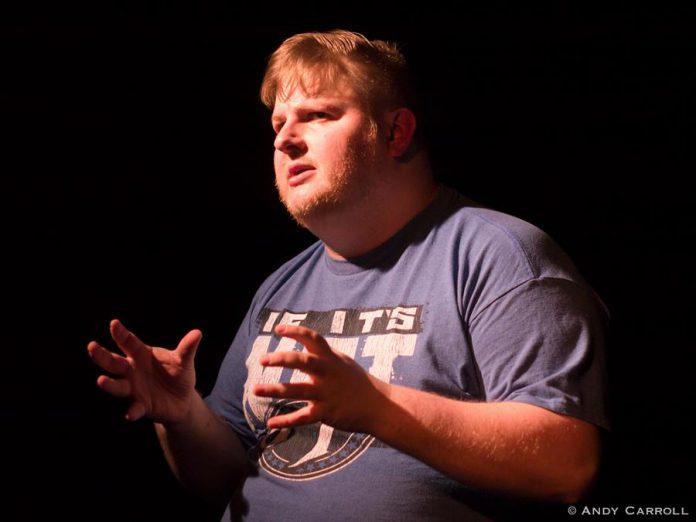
365 225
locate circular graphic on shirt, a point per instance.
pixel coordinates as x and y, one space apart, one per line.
308 452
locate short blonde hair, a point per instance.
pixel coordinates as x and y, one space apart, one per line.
375 70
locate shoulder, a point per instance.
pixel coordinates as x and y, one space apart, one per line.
494 253
493 240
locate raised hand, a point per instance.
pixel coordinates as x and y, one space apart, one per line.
160 383
339 392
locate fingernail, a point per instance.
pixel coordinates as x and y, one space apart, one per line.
119 330
264 360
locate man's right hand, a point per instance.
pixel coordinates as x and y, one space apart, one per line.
160 383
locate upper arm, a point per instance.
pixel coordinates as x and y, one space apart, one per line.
542 343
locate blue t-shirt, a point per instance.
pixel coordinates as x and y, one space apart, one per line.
464 302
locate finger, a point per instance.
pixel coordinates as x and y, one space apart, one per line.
115 387
188 346
303 361
299 390
311 340
135 411
300 417
107 360
126 340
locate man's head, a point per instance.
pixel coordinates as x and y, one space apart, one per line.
343 120
375 71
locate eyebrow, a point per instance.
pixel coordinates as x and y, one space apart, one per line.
326 104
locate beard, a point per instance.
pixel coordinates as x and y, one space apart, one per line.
348 184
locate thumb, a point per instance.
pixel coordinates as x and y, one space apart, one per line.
188 346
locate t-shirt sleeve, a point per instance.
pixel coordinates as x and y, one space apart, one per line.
542 343
227 397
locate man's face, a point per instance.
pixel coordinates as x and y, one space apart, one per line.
326 152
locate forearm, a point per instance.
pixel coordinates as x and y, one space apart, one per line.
509 447
204 453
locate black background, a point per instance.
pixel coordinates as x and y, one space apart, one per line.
137 183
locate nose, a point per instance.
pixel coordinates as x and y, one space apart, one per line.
289 140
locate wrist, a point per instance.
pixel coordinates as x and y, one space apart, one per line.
187 413
380 405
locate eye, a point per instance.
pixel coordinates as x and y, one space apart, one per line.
319 115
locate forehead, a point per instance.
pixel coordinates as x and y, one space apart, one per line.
306 89
300 100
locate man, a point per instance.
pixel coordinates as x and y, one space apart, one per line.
424 354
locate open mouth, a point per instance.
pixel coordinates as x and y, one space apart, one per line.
299 173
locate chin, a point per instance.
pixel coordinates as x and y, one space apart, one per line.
311 203
305 215
312 210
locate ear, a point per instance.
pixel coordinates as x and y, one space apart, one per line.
402 126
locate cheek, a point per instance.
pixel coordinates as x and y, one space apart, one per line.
333 150
277 165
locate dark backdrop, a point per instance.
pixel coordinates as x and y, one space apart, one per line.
137 183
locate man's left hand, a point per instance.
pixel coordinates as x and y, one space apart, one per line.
338 391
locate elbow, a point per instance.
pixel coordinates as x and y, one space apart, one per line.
578 486
577 465
575 482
